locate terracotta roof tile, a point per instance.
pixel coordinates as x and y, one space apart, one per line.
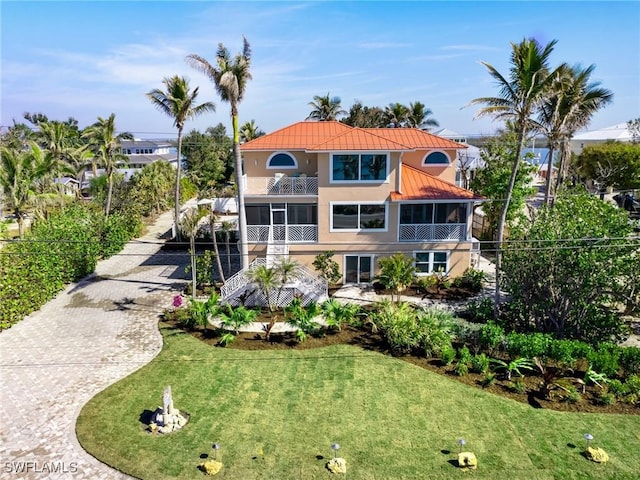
419 185
358 139
415 139
298 136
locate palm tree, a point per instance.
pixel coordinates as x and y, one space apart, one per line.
520 95
230 77
286 271
249 131
56 137
267 279
105 146
395 115
417 117
569 107
325 108
19 173
189 224
178 102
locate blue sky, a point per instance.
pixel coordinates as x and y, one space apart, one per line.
85 59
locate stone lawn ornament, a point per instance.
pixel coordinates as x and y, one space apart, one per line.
211 467
597 455
467 460
167 419
337 465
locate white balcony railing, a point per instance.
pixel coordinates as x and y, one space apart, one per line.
282 233
285 186
432 232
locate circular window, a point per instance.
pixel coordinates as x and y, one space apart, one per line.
436 158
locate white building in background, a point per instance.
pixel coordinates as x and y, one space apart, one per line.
140 154
469 159
619 132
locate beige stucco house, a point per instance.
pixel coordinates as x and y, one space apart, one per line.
361 192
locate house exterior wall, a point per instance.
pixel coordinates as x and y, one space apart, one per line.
445 172
377 243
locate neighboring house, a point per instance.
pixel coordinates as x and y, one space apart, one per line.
70 186
140 154
469 158
361 192
619 132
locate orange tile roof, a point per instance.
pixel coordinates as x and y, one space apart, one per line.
298 136
419 185
332 136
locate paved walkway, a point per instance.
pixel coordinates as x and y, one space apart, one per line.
91 335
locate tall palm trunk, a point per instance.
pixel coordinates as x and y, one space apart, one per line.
227 239
176 198
503 214
548 182
212 223
107 207
242 215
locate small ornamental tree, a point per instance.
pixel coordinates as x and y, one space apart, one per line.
327 267
397 272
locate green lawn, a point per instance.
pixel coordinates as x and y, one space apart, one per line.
392 419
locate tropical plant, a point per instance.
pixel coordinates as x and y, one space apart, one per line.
515 366
418 116
395 115
325 108
287 270
266 279
208 157
250 131
302 317
471 278
397 272
104 144
18 177
230 77
362 116
237 317
337 313
520 95
178 101
480 363
569 106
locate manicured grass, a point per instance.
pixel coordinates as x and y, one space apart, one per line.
392 419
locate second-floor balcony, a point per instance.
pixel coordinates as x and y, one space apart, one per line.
425 232
282 233
281 185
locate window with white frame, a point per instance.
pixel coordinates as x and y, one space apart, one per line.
282 160
430 262
436 158
367 167
359 217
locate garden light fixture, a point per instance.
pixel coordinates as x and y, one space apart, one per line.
335 447
216 447
461 442
588 437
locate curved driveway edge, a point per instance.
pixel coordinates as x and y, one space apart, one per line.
91 335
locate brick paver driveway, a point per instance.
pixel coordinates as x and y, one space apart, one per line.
92 334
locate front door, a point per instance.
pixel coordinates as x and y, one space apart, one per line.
357 268
279 222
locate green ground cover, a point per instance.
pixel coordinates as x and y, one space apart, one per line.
276 413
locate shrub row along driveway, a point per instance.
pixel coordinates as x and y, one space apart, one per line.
91 335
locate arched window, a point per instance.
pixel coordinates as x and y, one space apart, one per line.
436 158
282 160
